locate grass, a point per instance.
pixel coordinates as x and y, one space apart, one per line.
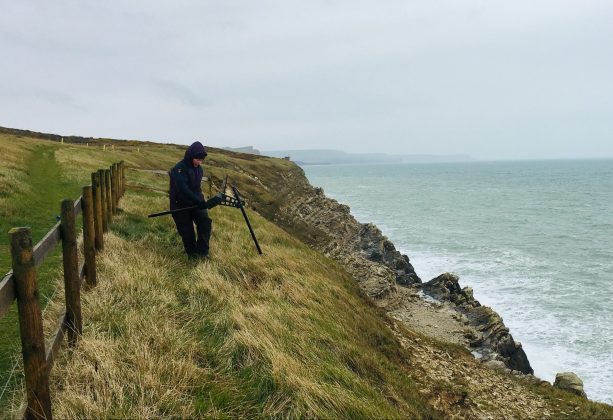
286 334
237 335
31 187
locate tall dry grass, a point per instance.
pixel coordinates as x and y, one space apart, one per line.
283 334
14 152
286 334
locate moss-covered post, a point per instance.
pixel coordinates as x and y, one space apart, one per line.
105 216
109 198
96 193
89 248
72 282
30 325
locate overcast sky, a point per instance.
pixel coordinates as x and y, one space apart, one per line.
492 79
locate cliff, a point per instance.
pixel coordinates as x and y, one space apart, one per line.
387 276
332 321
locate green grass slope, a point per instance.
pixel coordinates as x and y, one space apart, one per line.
31 187
285 334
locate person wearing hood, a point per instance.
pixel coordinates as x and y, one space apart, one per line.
185 191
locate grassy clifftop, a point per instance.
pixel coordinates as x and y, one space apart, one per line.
283 334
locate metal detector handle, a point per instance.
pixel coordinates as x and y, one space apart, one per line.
240 206
162 213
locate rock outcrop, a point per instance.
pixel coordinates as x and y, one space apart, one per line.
493 341
569 381
328 225
383 273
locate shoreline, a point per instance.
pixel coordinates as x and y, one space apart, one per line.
538 292
545 362
387 277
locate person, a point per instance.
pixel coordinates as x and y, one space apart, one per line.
185 191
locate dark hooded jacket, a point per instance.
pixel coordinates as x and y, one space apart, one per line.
185 179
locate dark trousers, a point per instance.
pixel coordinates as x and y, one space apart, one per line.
185 226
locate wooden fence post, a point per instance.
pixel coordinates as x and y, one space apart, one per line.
116 182
121 188
105 217
123 177
89 250
109 199
30 325
113 170
72 282
97 211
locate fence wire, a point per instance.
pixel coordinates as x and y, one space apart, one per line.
8 382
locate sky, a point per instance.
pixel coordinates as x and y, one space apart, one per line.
522 79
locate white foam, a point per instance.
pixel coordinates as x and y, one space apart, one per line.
427 298
521 248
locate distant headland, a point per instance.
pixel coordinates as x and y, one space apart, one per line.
331 156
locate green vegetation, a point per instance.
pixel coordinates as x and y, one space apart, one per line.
237 335
31 188
286 334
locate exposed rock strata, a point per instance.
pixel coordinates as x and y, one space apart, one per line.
493 340
387 276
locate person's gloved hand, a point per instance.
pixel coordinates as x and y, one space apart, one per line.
203 205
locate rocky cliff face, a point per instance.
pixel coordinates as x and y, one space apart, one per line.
387 276
490 338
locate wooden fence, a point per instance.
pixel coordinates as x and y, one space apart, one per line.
98 204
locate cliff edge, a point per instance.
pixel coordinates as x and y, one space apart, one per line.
387 276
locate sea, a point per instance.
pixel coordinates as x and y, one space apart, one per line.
534 239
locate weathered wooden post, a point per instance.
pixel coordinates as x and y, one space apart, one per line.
89 249
109 199
118 182
72 283
30 325
105 216
117 186
113 170
123 178
98 222
121 186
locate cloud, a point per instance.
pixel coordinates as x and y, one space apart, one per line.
182 93
491 79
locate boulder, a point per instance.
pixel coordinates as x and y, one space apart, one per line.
496 365
570 382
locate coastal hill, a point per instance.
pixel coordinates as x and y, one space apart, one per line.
330 157
331 321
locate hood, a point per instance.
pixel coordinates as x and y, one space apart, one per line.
195 149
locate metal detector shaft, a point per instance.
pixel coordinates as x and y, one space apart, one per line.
172 211
240 206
